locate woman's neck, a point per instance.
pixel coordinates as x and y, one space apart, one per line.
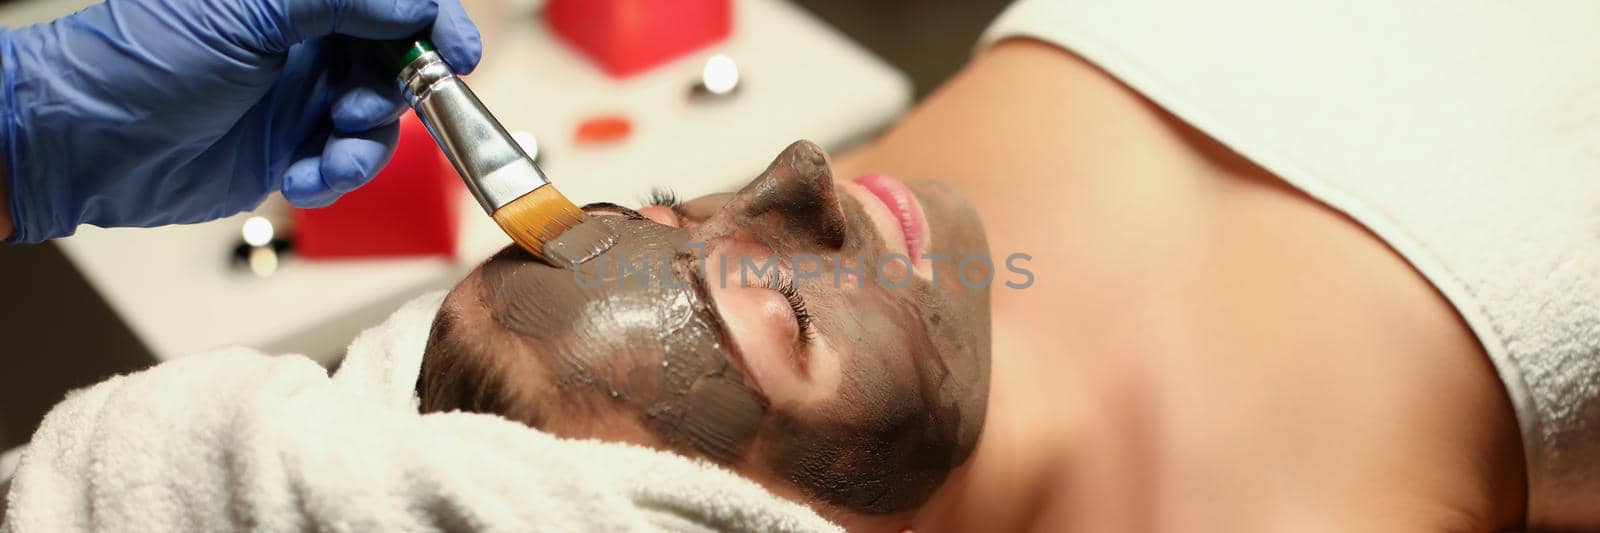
1294 365
1064 438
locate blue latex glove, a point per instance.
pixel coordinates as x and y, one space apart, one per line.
152 112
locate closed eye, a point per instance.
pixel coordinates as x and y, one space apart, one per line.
767 317
782 282
663 196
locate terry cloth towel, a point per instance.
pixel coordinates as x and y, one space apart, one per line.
236 440
1465 133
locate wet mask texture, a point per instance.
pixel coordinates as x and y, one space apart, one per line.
674 373
581 243
625 333
914 355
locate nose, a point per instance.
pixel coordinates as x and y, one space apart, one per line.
793 200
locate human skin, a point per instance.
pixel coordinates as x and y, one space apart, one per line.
862 410
1205 348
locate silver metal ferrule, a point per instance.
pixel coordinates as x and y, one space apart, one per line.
488 159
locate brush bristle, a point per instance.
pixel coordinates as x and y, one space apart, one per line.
538 217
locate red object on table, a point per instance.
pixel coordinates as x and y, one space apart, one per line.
602 129
628 36
409 209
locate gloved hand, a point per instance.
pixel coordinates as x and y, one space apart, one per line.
151 112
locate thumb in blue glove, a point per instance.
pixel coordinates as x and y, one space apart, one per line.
152 112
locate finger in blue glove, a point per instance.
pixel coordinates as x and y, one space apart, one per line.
152 112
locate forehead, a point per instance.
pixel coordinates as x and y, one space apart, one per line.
641 338
540 300
633 306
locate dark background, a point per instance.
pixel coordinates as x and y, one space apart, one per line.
57 334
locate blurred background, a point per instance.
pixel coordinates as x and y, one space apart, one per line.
111 301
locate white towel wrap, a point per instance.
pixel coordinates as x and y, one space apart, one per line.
235 439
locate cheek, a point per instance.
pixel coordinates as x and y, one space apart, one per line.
891 348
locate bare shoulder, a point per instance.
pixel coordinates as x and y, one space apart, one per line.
1319 349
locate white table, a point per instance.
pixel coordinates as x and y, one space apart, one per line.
801 79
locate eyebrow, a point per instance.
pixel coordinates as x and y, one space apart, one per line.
633 214
613 208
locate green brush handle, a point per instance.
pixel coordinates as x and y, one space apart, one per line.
397 54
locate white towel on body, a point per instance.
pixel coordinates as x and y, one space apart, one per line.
236 439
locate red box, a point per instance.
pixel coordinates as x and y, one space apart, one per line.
409 209
629 36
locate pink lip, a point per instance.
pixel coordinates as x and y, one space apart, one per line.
904 206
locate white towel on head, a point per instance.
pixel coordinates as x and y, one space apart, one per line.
235 439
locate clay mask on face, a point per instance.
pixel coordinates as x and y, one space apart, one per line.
705 402
625 328
581 243
913 355
620 332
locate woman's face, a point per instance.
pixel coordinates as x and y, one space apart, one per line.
815 335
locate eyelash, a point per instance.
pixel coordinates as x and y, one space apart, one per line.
784 285
664 196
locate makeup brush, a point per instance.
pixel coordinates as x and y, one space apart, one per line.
501 176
